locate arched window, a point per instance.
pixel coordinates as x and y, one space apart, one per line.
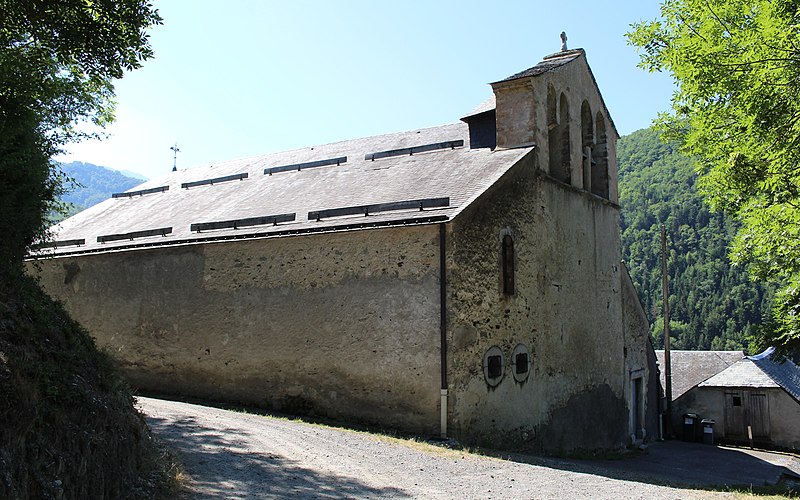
553 131
600 159
559 143
587 143
552 109
566 150
507 262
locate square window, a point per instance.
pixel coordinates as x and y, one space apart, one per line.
737 401
495 367
521 363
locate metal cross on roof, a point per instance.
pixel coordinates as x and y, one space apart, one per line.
175 152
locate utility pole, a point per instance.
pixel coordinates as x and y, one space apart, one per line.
175 152
667 356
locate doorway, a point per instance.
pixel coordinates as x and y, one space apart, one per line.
746 415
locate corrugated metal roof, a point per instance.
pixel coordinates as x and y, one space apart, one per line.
461 174
690 368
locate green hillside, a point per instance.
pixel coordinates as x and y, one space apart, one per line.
713 304
94 184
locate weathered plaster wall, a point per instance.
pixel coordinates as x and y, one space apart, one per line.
344 325
518 114
784 419
640 361
567 310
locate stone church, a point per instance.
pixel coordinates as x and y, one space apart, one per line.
462 280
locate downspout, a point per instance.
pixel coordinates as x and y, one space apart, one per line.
443 330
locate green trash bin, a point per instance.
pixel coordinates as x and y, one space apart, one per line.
690 423
708 430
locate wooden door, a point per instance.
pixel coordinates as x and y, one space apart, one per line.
743 409
734 415
758 414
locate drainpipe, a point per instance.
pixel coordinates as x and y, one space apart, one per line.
443 330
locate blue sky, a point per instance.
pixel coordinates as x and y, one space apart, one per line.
242 78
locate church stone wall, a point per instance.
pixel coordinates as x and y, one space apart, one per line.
566 312
640 363
342 325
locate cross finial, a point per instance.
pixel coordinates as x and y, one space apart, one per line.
175 152
563 40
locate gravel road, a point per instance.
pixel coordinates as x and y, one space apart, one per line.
229 454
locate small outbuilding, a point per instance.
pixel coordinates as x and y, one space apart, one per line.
755 399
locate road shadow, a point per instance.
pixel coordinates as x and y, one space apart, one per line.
676 464
219 465
683 465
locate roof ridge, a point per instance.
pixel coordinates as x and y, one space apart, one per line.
326 144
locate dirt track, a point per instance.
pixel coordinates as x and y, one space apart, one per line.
236 455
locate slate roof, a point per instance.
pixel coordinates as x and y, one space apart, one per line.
743 373
460 173
786 374
760 371
488 105
549 63
690 368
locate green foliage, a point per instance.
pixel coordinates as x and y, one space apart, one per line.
68 428
28 187
713 304
785 328
737 110
57 62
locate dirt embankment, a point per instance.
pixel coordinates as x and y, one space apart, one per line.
68 428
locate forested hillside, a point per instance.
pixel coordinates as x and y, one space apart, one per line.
94 184
713 304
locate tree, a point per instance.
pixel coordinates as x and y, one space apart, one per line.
713 305
58 60
736 64
68 428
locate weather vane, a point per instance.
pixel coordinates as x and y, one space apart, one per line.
175 152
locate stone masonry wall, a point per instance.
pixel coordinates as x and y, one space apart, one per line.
522 117
567 312
342 325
